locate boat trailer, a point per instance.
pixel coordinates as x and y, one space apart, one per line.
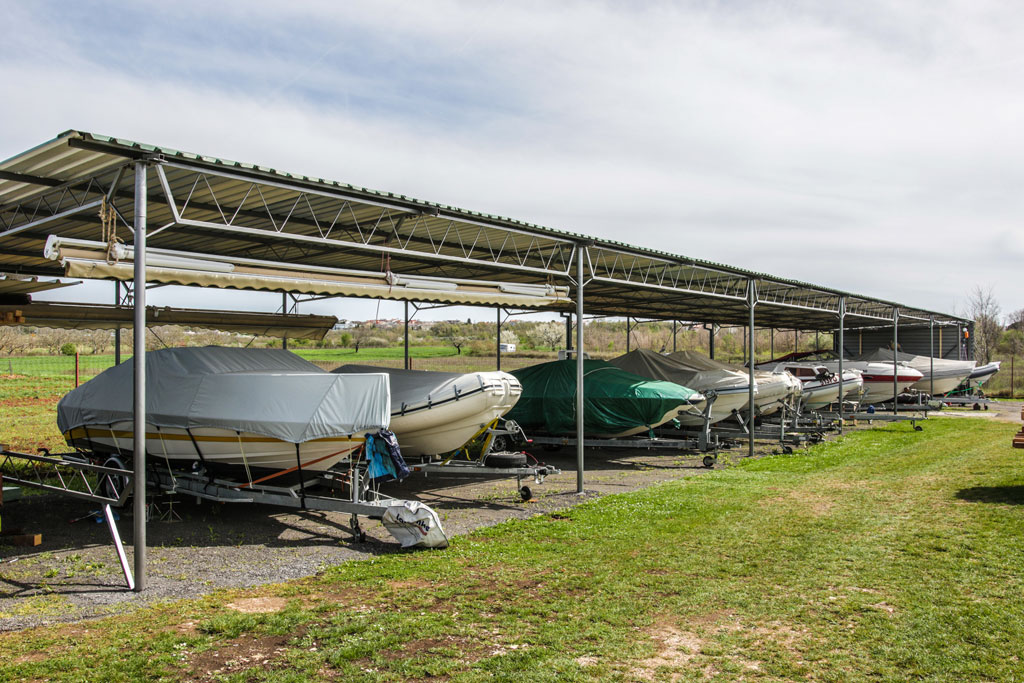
412 523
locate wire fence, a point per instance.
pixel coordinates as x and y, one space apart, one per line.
85 367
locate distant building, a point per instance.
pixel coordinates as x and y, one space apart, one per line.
507 348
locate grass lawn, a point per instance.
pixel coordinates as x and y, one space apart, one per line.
888 555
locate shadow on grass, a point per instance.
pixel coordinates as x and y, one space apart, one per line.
1007 495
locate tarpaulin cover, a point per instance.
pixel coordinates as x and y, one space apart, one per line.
418 389
684 367
614 400
271 392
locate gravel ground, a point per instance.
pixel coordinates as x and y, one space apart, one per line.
75 574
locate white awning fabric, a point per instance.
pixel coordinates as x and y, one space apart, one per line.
86 259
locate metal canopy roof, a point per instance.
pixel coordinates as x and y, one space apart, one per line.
11 284
231 210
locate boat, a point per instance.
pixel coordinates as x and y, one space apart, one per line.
728 387
438 412
253 413
983 373
820 385
771 389
939 375
877 377
616 403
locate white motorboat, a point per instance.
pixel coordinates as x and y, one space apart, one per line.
259 413
728 387
939 375
438 412
877 377
820 386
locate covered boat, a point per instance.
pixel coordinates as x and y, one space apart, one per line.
771 389
438 412
261 410
946 376
727 386
616 403
983 373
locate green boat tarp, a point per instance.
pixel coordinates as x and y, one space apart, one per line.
616 402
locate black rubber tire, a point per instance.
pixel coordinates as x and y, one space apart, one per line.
525 493
788 450
112 486
918 428
505 460
709 461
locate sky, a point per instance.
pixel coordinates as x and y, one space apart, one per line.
875 147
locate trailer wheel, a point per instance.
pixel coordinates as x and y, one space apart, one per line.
709 461
505 460
525 493
499 443
788 450
113 485
918 428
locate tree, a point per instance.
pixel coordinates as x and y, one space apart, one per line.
451 333
508 337
547 334
984 310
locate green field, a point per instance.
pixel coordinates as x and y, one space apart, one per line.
888 555
89 365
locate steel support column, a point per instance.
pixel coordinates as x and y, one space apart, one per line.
895 361
627 333
771 337
406 336
497 347
579 369
842 326
931 356
751 302
139 361
284 311
674 324
117 330
711 341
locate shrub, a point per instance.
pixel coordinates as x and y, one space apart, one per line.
68 349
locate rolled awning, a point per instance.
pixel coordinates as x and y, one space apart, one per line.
107 317
87 259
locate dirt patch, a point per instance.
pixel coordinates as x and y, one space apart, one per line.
242 654
469 651
676 649
263 605
789 639
406 584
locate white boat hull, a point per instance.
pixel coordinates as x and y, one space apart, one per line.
216 448
726 403
447 426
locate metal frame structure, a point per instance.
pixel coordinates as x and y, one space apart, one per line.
170 200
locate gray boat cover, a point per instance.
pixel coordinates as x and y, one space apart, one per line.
923 364
412 389
271 392
683 367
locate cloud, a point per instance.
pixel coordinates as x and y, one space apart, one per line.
871 146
